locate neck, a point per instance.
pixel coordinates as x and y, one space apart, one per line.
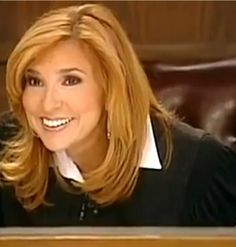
89 155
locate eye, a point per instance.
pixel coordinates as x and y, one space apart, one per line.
33 81
71 80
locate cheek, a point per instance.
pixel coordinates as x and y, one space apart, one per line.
26 108
29 103
86 101
25 101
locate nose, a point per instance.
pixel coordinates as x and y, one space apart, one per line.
51 101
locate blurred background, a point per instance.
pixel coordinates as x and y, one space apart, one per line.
165 31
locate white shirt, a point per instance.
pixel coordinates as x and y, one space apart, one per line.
149 159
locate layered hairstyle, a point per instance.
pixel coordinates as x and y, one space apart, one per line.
128 97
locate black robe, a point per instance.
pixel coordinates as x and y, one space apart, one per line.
197 189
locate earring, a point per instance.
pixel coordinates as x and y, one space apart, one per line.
108 129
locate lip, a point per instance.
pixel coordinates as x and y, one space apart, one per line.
55 118
55 129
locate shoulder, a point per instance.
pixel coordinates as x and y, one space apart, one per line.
211 189
186 141
199 146
208 170
211 196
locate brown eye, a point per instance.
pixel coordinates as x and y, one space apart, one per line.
71 80
33 81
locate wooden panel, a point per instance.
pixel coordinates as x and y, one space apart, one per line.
135 242
146 22
118 237
219 23
160 30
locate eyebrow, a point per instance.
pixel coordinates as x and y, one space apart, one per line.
61 71
32 71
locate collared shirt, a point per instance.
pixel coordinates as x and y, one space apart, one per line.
150 158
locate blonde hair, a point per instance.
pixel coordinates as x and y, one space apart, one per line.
129 101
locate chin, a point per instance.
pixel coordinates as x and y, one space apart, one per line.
54 146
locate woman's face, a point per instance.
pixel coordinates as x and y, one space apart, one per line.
62 101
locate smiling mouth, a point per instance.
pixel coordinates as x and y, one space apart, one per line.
55 123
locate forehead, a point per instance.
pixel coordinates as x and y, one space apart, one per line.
66 53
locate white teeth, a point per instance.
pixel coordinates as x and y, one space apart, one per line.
55 123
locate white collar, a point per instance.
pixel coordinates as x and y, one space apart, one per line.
150 159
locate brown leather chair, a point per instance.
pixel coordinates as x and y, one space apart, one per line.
203 95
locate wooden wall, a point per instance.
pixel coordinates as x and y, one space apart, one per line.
164 30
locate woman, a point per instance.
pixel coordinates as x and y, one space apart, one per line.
94 147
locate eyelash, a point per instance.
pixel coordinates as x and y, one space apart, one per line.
75 80
68 81
33 81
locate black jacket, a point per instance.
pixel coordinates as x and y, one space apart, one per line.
197 189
